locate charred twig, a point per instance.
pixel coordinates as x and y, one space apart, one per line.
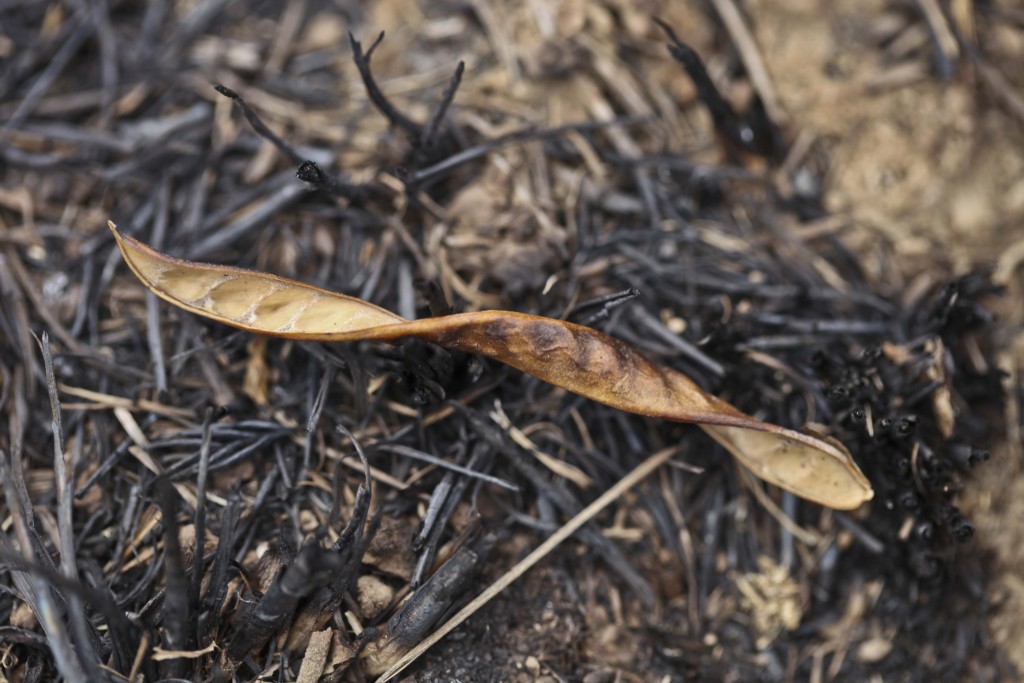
153 336
217 588
440 462
426 606
311 173
427 541
34 587
345 555
199 521
362 61
80 626
311 569
727 122
605 304
425 138
257 124
431 131
177 609
423 177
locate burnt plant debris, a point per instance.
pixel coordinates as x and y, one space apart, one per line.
185 501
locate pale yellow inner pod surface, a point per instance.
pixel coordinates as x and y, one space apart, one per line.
806 470
235 297
190 286
331 315
278 308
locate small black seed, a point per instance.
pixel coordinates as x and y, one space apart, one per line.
909 501
906 426
903 467
961 528
924 565
839 396
977 457
870 355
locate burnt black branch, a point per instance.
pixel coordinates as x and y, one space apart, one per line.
728 123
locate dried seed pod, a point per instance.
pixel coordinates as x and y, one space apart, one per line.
564 354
